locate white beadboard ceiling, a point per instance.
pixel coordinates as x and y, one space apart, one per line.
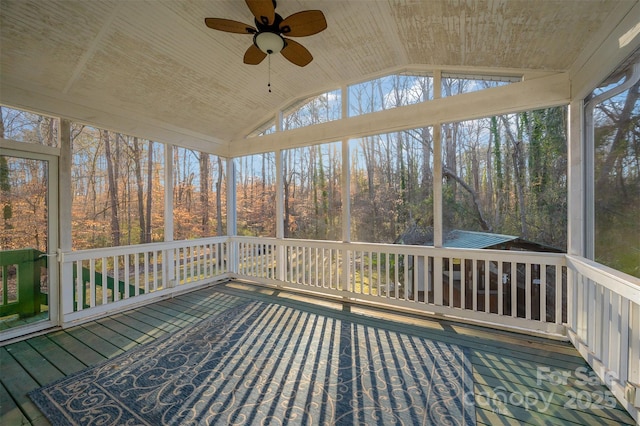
135 65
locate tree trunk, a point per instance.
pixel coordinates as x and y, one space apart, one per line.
474 196
5 188
204 193
450 152
113 191
149 192
489 191
219 199
140 190
286 184
519 173
499 181
427 173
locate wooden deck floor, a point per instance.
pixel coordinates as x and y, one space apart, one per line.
518 379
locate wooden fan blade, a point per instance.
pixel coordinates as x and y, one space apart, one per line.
263 10
296 53
229 26
253 55
304 23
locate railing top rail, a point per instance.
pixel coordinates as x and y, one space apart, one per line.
138 248
10 257
623 284
479 254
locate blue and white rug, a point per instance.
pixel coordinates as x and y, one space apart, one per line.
263 363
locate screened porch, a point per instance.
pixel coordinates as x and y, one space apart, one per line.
486 194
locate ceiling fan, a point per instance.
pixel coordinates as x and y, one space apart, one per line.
270 31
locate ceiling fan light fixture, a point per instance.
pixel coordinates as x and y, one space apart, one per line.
270 31
269 42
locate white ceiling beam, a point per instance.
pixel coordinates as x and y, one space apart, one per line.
114 119
526 95
88 54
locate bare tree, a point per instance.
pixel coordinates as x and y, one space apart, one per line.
219 198
205 184
519 170
113 190
149 192
140 189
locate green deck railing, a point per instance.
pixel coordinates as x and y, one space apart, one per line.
26 265
98 280
23 268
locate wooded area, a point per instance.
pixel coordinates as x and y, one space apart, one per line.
117 185
502 174
120 180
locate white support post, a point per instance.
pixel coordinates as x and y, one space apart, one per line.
437 178
345 278
168 260
232 217
65 197
622 350
279 196
578 204
633 331
576 180
64 176
572 299
346 200
437 279
437 195
280 247
346 196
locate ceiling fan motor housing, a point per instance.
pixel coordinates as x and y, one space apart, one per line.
268 38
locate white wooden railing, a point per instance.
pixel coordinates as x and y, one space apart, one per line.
604 325
559 295
103 280
522 290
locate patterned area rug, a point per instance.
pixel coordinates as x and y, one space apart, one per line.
263 363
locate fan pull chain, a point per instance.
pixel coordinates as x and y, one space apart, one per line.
269 83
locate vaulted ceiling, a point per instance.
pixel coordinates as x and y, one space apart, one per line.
153 69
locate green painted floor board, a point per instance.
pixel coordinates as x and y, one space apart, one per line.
126 330
508 361
188 316
169 316
77 348
563 394
113 337
97 343
10 413
142 316
63 361
561 403
491 418
128 319
205 302
40 421
18 383
34 363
